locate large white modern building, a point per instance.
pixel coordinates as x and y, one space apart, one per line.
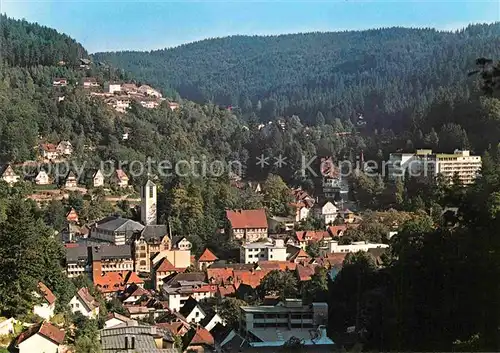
426 163
355 246
273 250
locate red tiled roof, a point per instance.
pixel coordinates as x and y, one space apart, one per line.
139 291
120 317
115 281
299 255
109 282
202 336
87 298
207 256
120 174
328 168
174 327
49 147
45 329
311 235
47 293
336 231
226 290
277 265
250 278
247 218
305 272
165 266
204 288
71 215
331 260
220 275
302 198
132 277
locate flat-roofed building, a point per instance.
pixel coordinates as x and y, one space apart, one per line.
426 163
273 325
467 167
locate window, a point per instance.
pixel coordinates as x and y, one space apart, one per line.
77 305
143 263
197 314
151 191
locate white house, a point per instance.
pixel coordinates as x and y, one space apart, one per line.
112 87
183 286
133 294
120 178
355 246
84 303
97 178
192 311
302 212
149 91
43 337
65 148
42 178
48 303
48 151
181 243
7 326
327 212
8 175
115 319
210 321
274 250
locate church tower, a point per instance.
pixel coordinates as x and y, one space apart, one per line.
148 203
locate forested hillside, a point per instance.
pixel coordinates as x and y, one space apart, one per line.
384 74
27 44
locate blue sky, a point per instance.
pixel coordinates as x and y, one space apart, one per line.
144 25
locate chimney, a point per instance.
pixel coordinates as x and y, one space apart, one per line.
153 330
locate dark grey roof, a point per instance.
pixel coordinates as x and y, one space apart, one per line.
154 232
111 252
76 254
113 339
220 332
188 307
89 174
224 264
206 320
186 277
119 224
176 239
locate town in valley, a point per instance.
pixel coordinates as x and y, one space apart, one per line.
311 192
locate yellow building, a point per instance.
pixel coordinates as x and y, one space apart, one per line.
461 162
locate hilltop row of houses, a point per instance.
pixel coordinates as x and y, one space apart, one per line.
120 95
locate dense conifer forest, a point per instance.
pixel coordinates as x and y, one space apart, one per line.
390 76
